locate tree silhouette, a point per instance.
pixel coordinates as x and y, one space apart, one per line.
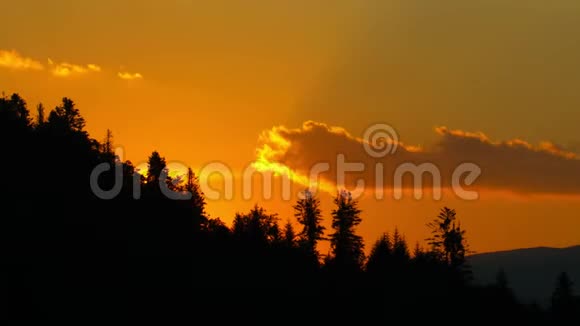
257 226
14 115
40 119
289 235
448 241
67 116
418 251
381 254
156 167
346 246
15 137
400 248
216 225
197 201
107 151
107 146
158 177
504 293
18 107
563 300
307 212
501 281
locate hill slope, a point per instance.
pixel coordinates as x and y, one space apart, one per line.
531 272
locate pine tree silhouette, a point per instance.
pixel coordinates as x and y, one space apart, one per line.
307 212
346 246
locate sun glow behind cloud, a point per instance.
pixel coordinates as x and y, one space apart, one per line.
274 144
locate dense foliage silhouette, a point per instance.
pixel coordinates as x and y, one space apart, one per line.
69 254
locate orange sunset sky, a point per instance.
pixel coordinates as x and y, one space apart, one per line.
297 82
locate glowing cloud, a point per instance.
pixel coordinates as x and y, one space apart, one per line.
514 165
12 59
275 145
129 76
65 69
93 67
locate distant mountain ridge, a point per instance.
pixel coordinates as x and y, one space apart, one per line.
531 272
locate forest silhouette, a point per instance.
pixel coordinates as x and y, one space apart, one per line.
67 254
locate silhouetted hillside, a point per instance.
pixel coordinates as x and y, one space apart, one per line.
531 272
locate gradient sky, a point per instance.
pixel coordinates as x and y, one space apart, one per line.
200 81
